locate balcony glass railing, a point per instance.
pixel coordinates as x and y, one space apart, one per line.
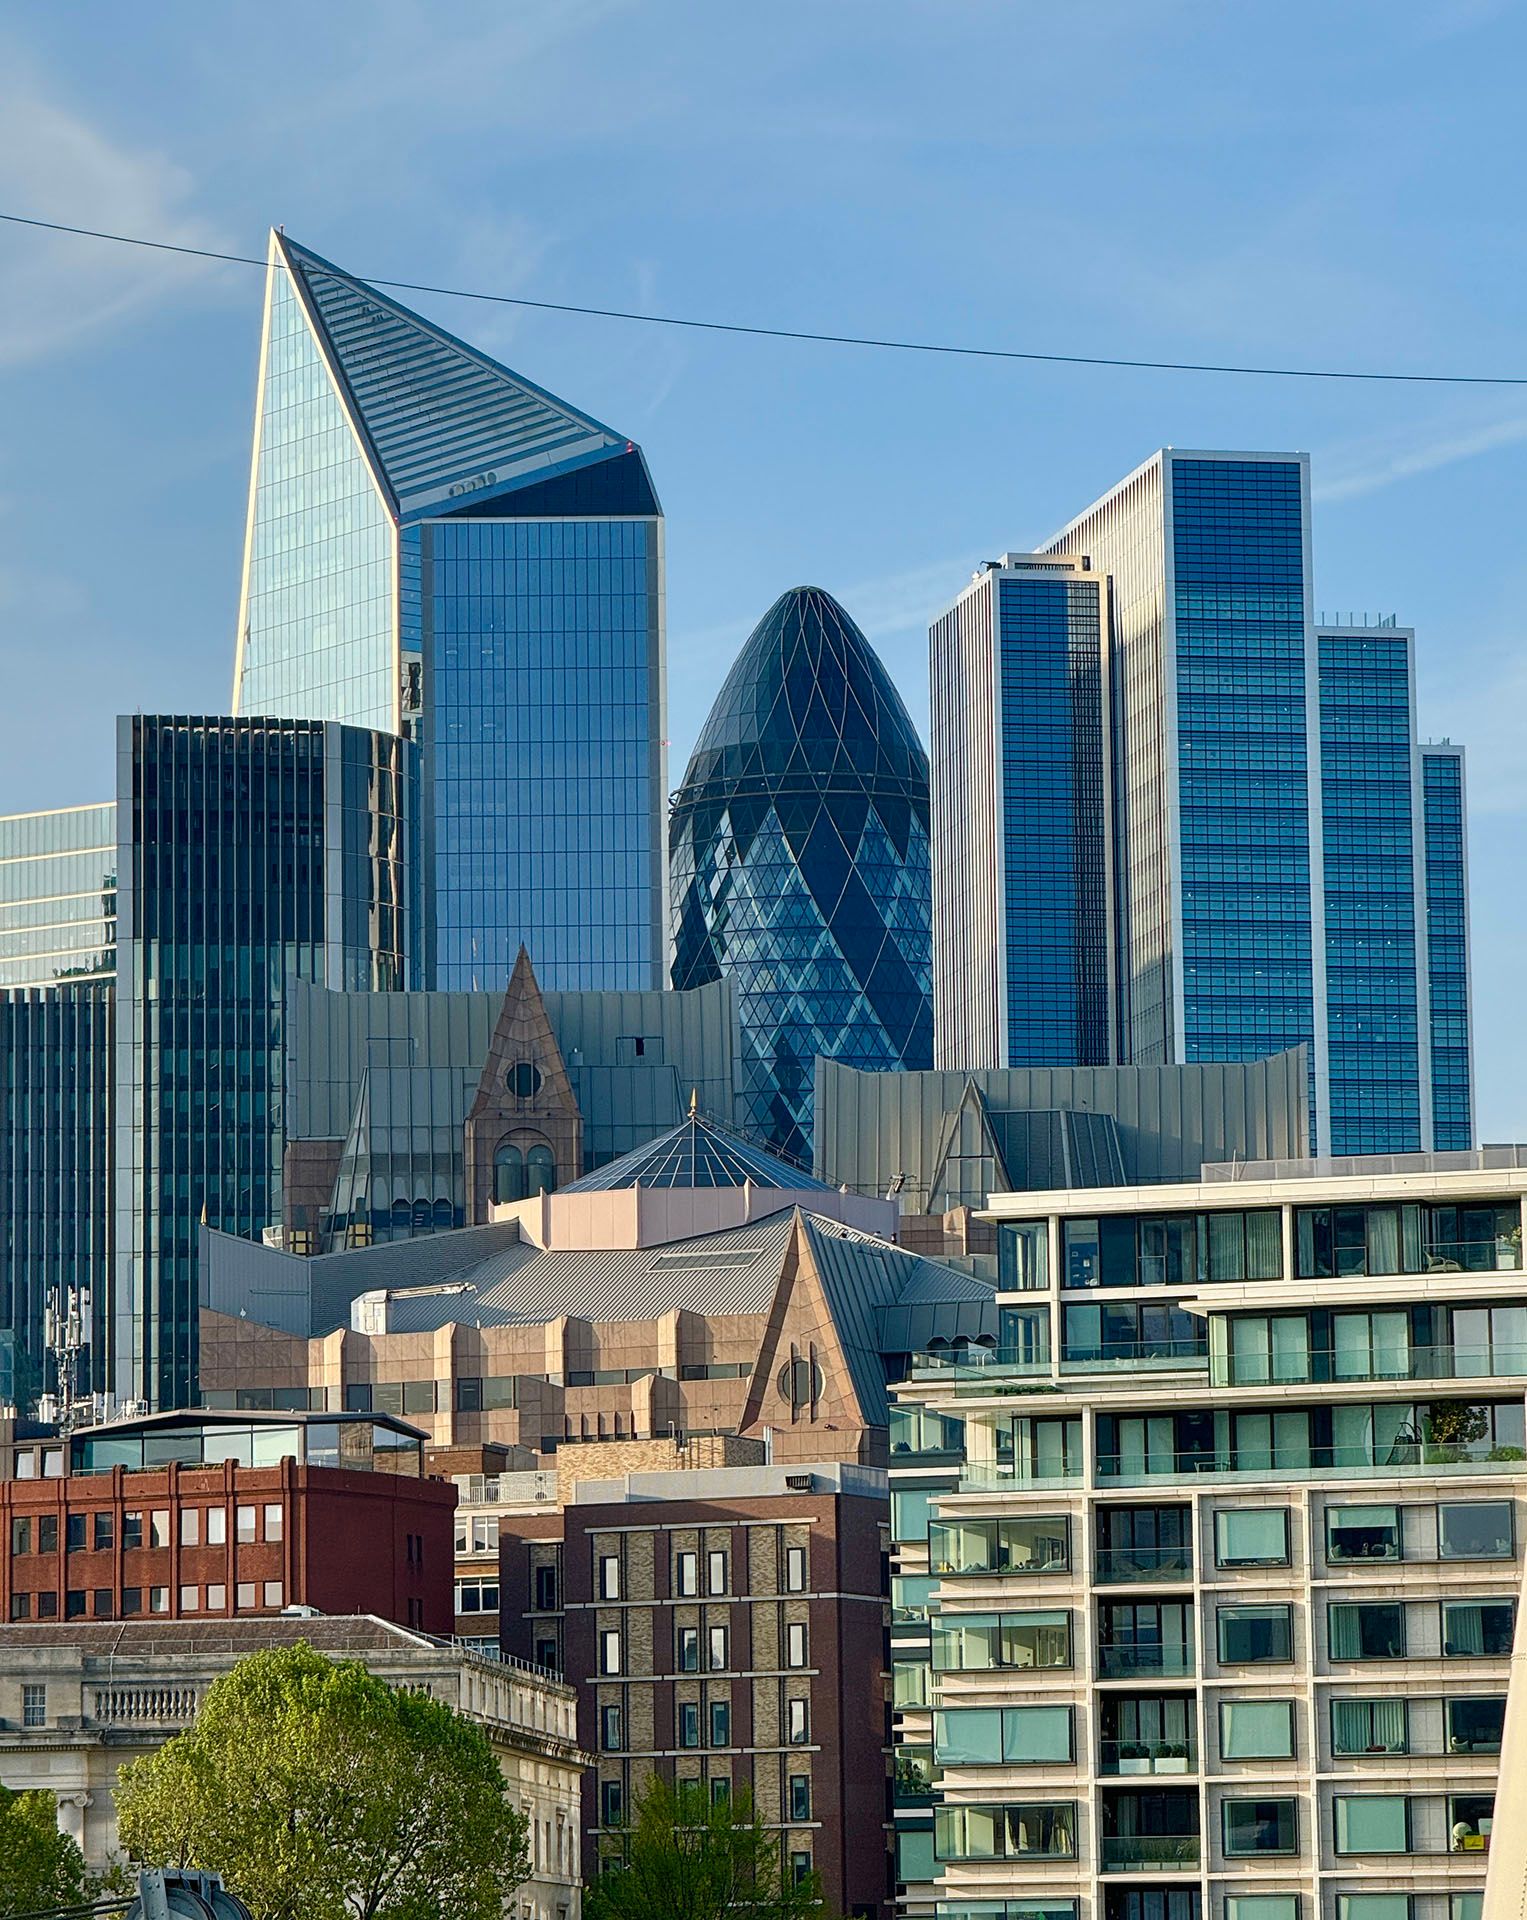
1145 1756
1342 1462
980 1363
1499 1253
1322 1365
1152 1852
1111 1355
1116 1662
1116 1564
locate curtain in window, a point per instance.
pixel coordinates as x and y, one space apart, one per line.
1227 1247
1351 1721
1465 1630
1264 1246
1344 1633
1384 1240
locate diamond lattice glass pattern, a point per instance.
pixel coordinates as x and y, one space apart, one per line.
800 862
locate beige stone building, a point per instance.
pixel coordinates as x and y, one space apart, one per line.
78 1702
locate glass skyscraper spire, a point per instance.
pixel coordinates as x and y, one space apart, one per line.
1178 819
438 548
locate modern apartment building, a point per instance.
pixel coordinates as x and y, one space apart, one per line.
436 547
1207 1581
1176 818
800 863
77 1704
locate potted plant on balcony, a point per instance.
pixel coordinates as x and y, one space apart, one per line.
1172 1757
1134 1757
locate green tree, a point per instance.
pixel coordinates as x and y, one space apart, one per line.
321 1793
39 1866
684 1857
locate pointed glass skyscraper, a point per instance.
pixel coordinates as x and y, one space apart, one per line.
800 862
438 548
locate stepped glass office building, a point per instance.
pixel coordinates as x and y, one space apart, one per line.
1176 818
438 548
1207 1578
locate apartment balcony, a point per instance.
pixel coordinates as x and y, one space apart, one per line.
1130 1662
1324 1366
1118 1356
1125 1757
1113 1566
1150 1853
1422 1460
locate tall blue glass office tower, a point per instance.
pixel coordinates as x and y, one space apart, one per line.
1262 876
1447 943
58 931
440 549
251 852
1021 824
800 862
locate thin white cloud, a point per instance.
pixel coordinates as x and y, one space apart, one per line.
54 165
1368 467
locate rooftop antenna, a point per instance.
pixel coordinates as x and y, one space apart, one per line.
66 1331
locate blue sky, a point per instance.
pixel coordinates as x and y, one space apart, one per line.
1287 182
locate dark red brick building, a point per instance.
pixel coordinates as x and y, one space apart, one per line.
200 1515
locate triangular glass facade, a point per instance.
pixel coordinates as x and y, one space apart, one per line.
800 862
317 639
439 548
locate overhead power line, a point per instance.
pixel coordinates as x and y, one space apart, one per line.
882 344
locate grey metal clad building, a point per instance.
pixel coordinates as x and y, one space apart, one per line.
384 1090
943 1140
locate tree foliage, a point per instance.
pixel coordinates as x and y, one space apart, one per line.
683 1857
321 1793
39 1866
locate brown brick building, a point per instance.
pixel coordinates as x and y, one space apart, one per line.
199 1516
726 1626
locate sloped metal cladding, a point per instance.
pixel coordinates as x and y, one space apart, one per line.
443 420
800 862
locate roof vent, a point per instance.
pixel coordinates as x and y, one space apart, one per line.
798 1482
